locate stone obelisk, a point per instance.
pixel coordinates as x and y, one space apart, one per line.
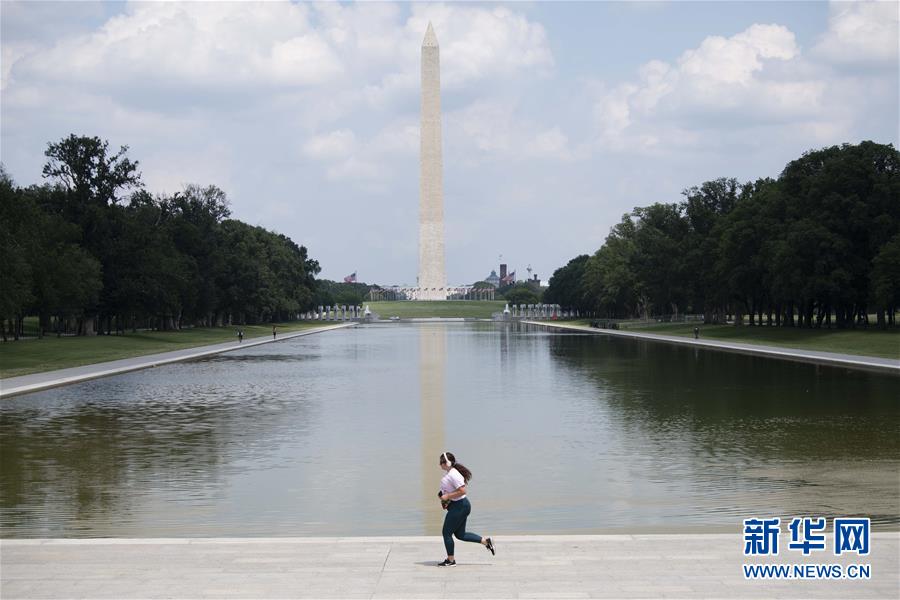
432 282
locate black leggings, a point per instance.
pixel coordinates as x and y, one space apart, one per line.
455 524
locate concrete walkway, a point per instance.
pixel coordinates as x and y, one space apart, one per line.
853 361
24 384
602 566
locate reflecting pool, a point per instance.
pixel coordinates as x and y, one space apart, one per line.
339 434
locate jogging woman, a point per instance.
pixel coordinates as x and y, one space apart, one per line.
453 494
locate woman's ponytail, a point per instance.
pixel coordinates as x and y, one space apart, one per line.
467 474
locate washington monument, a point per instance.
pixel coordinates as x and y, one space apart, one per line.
432 281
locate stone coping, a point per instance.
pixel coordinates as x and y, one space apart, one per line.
852 361
34 382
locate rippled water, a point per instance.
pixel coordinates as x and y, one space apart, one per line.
340 433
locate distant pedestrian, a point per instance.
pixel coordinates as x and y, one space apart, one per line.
240 336
696 333
453 499
273 332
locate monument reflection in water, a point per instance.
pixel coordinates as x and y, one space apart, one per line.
339 434
432 366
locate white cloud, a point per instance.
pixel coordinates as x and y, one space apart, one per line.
173 56
551 144
171 169
301 109
735 60
9 54
477 46
482 125
861 32
730 75
353 168
32 26
364 163
612 110
321 69
398 138
658 79
499 130
392 88
477 43
301 60
753 78
170 45
336 144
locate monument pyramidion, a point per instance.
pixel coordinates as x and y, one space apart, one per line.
432 281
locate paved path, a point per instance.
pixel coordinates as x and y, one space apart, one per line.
853 361
38 381
601 566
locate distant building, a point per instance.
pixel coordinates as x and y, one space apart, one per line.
534 284
505 279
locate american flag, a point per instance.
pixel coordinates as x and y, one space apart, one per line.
350 278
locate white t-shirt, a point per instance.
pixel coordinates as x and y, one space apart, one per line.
452 481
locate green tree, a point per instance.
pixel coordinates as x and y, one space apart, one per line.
17 230
610 280
885 293
704 210
329 293
75 249
658 261
194 217
817 242
840 209
567 286
521 294
89 173
741 268
67 278
95 181
47 270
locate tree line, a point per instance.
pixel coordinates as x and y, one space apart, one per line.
819 246
92 251
338 293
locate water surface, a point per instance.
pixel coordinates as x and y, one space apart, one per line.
339 434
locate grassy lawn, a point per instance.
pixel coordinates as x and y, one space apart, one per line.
872 342
408 309
32 355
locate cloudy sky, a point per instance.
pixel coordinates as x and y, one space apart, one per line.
558 117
